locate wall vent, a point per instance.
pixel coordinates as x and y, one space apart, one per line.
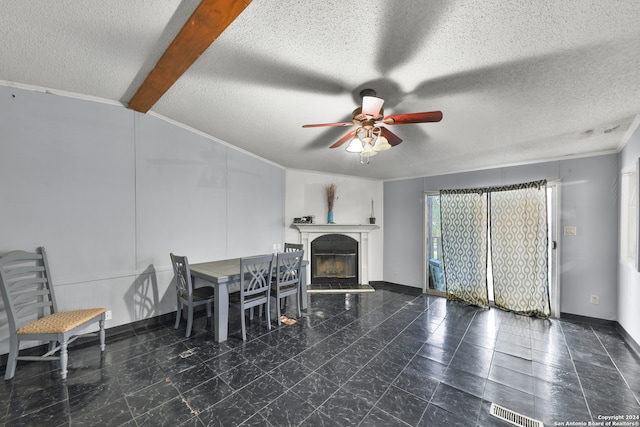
513 417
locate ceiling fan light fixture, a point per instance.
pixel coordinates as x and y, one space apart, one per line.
367 140
355 146
368 150
382 144
371 106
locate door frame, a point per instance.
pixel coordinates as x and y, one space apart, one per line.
554 237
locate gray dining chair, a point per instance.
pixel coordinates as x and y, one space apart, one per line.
33 314
291 247
255 283
287 282
189 297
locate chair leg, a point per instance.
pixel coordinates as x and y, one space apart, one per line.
244 327
178 314
64 358
101 323
189 321
278 310
268 304
12 361
208 315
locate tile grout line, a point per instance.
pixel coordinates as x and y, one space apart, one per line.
584 396
317 408
359 370
398 375
614 364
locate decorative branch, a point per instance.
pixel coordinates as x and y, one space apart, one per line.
331 196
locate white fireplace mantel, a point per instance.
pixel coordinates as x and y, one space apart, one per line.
358 232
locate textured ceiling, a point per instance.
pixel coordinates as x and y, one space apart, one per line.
517 82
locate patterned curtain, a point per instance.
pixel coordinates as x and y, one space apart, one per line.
463 215
519 248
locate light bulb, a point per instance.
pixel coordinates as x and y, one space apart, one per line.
381 144
355 146
368 150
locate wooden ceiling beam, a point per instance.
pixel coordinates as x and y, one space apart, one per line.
203 27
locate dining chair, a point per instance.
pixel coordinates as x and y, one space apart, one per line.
33 314
189 297
287 280
255 282
291 247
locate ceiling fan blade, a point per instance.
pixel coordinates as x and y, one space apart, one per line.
319 125
391 137
425 117
256 68
344 139
406 30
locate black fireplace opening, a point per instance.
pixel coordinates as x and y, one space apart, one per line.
334 259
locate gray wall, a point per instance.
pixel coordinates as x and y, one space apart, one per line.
589 202
110 192
404 232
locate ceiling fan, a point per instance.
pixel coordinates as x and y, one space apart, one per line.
370 137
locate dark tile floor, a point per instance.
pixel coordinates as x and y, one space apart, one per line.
388 358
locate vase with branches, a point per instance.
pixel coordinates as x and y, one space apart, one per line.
331 197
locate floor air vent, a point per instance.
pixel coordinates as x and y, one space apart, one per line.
513 417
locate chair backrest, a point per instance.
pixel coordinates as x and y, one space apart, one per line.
255 275
183 274
288 268
292 247
26 287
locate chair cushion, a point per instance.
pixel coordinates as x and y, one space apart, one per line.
62 321
274 287
234 297
203 293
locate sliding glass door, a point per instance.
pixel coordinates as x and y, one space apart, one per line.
434 282
519 242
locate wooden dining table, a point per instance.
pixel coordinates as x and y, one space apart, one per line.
224 276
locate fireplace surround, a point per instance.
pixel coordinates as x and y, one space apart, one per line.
358 232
